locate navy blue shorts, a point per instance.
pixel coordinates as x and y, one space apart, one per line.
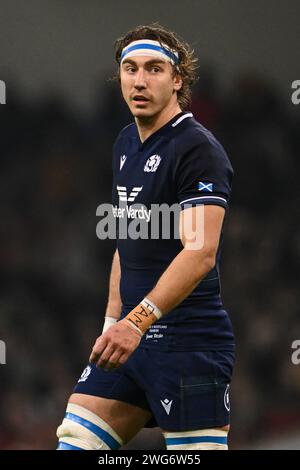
182 390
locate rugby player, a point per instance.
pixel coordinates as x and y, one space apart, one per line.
166 353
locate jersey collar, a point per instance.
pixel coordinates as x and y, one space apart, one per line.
176 120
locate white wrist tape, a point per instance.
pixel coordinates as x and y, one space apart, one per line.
108 322
152 307
143 316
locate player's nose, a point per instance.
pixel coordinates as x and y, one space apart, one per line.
140 81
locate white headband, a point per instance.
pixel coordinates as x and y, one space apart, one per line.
150 48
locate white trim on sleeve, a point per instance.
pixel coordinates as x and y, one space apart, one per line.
204 197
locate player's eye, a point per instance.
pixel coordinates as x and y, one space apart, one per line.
130 68
155 69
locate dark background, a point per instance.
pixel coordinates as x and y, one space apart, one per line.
57 128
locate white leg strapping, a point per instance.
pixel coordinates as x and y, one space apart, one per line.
202 439
83 430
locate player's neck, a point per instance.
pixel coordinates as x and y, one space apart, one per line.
149 125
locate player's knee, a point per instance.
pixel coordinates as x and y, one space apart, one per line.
83 430
202 439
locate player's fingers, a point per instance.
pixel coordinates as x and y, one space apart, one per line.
113 362
122 359
98 349
93 357
105 356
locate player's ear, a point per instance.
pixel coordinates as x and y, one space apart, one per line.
177 81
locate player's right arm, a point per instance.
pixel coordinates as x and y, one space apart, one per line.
124 333
114 304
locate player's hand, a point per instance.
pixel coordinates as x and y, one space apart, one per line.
112 349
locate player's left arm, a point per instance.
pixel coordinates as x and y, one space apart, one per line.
200 229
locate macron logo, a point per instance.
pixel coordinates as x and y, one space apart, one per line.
167 405
122 161
122 191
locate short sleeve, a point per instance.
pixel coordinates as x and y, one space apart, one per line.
204 176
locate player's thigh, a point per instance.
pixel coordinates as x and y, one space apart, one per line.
125 419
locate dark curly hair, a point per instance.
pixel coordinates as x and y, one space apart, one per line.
187 67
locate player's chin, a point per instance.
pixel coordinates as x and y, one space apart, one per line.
142 112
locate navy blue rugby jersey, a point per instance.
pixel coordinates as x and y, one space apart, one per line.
181 163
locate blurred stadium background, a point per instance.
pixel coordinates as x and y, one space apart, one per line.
57 129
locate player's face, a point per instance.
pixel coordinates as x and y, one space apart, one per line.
148 85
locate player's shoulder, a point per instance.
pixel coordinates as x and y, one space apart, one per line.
194 137
193 134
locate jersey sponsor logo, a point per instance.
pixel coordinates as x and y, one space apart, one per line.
141 213
205 187
122 161
133 211
167 405
85 374
122 191
226 399
152 163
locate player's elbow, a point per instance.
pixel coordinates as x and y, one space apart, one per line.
210 260
207 259
202 260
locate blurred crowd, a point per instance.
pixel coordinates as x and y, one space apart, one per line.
55 169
